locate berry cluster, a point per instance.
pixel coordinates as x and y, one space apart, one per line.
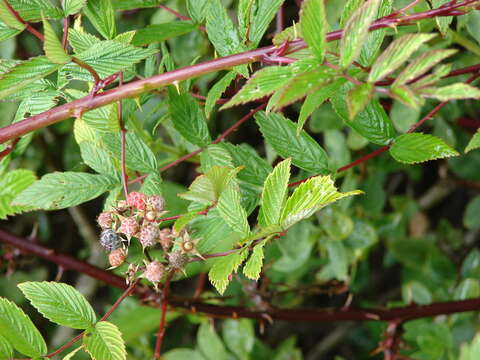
139 217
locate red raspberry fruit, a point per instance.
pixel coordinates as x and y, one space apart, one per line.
149 235
154 271
105 220
117 257
129 227
156 202
137 200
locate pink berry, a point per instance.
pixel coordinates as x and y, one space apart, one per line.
154 271
137 200
129 227
105 220
117 257
149 235
156 202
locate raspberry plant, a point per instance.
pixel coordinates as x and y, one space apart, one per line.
316 161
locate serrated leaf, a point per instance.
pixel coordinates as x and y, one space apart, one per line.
138 155
313 21
6 32
396 54
24 74
33 10
231 210
474 142
8 19
98 158
267 80
223 267
102 16
253 266
406 95
188 118
358 98
59 303
348 10
71 7
221 31
356 32
217 90
438 73
19 330
6 349
11 184
455 91
281 134
152 184
309 197
106 57
52 46
262 17
215 155
315 99
81 41
209 343
416 148
255 168
104 342
372 123
302 85
422 64
60 190
161 32
197 9
274 194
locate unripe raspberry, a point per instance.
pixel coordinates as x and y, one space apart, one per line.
105 220
129 227
121 206
166 238
154 271
149 235
110 240
137 200
156 202
117 257
151 215
177 260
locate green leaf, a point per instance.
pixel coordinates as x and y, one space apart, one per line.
416 148
6 32
217 90
471 351
338 259
221 31
348 10
188 118
161 32
302 85
309 197
102 16
468 289
253 266
11 184
356 32
106 57
231 210
262 16
19 330
59 303
24 74
152 184
438 73
8 19
223 267
313 21
98 158
405 95
267 80
358 98
52 46
71 354
60 190
104 342
71 7
81 41
138 155
239 336
416 292
455 91
255 169
209 343
317 98
396 54
470 217
215 155
34 10
6 350
281 134
197 9
474 142
422 64
182 354
274 194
